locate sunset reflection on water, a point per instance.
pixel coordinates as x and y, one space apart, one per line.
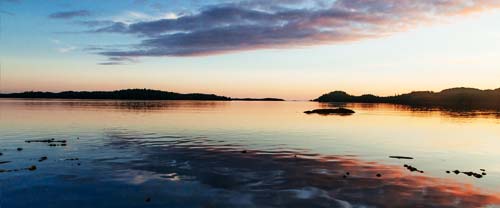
246 154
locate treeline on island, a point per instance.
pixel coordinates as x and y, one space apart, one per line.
128 94
449 98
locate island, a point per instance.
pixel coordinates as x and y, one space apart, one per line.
129 94
467 98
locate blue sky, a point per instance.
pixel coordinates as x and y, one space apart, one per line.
295 49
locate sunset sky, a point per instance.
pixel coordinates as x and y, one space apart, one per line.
292 49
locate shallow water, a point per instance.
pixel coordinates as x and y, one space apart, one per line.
244 154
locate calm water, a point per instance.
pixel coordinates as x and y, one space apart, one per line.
243 154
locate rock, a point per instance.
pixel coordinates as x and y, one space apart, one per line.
347 173
32 168
413 169
447 171
3 162
43 159
148 199
456 172
337 111
19 149
1 154
379 175
401 157
482 170
470 173
244 151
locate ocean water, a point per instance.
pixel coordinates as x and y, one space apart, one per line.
91 153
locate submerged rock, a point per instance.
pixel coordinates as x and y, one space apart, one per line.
43 159
337 111
32 168
19 149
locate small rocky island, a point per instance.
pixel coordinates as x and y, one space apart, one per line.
331 111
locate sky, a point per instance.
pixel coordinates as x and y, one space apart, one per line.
292 49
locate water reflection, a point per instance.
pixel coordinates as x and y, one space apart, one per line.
192 155
287 177
132 105
457 112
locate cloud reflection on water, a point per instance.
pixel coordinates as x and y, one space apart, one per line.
287 177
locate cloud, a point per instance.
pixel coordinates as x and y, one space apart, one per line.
66 49
259 24
69 14
95 23
118 61
62 47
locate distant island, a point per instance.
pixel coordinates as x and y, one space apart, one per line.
467 98
129 94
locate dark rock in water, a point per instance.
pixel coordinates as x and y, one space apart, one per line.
72 159
148 199
448 171
483 173
479 169
413 169
57 145
244 151
337 111
470 173
347 173
46 141
401 157
379 175
344 176
19 149
43 159
3 162
32 168
52 142
467 173
456 172
78 164
1 154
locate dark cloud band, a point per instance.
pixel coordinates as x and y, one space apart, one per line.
259 25
69 14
